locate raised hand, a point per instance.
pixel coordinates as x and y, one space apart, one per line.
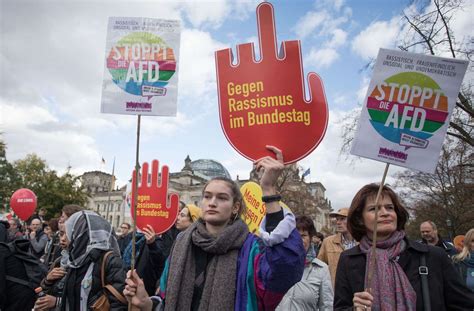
55 274
263 103
155 207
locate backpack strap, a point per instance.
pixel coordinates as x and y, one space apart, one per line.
12 252
423 271
17 280
109 287
116 293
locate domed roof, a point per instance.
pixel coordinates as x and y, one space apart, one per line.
209 168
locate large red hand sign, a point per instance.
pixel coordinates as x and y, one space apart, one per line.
154 208
263 103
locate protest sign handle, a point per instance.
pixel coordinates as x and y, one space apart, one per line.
373 261
135 196
134 202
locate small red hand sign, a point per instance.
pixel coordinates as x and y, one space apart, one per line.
154 206
263 103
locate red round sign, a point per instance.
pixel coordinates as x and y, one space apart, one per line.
23 202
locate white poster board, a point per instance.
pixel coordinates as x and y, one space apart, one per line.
407 109
141 66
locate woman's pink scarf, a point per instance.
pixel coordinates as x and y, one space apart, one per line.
390 286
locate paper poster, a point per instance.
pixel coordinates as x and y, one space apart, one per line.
141 66
262 102
256 210
127 200
407 109
155 206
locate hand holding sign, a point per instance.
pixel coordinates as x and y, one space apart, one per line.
153 206
263 103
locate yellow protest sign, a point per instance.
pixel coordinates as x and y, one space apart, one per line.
252 194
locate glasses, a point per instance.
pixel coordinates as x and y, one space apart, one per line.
123 227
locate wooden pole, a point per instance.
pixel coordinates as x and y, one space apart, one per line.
135 200
373 261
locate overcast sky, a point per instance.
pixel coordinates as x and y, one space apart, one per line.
52 65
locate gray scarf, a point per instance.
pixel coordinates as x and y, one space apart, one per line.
221 272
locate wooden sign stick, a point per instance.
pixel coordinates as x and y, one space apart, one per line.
373 261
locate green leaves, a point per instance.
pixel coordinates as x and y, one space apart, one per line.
52 190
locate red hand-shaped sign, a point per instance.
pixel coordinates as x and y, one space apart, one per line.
263 103
154 208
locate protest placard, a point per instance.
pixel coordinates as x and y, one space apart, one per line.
263 102
407 109
155 206
141 66
256 209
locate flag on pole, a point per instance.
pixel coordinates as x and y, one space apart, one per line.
306 173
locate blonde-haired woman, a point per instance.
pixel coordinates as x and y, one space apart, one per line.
464 261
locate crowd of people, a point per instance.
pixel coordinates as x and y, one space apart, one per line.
210 261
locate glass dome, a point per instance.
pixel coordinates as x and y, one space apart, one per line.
209 168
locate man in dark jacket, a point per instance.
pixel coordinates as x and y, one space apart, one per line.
125 237
430 236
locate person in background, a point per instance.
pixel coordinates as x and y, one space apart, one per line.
217 264
317 240
53 283
430 236
314 291
90 236
396 283
47 230
125 236
37 237
14 232
458 242
42 214
53 248
464 261
67 211
189 214
334 245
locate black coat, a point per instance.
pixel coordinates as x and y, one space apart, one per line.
123 242
114 275
447 292
13 295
